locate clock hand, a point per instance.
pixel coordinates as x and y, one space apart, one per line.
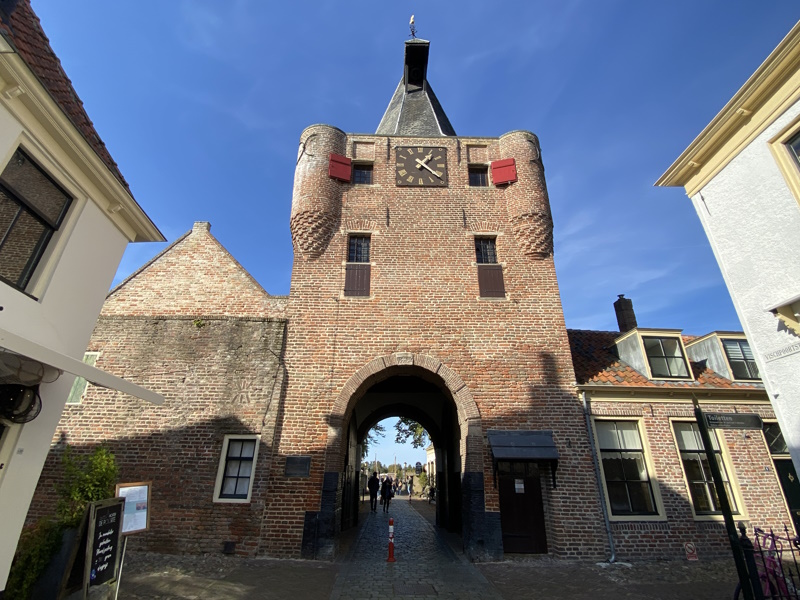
424 160
422 164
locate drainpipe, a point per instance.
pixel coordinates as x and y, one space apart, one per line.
596 463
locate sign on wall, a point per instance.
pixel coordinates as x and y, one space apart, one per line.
136 514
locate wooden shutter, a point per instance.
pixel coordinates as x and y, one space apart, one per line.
340 167
504 171
356 279
490 281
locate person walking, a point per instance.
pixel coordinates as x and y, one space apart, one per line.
386 493
373 485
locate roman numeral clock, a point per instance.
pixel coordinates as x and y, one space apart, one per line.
421 167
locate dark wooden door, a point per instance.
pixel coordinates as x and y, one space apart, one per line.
521 508
791 488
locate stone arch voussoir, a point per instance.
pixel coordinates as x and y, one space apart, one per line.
466 408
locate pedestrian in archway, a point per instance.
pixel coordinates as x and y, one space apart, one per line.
386 493
373 485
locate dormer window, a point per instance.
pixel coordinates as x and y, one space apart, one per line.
665 356
740 359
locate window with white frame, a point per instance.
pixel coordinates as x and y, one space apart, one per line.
665 356
80 385
32 208
740 358
629 488
236 468
696 469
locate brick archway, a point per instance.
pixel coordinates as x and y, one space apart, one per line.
384 366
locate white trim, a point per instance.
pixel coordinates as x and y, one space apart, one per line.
50 357
221 467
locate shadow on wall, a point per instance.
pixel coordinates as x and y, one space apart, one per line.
183 465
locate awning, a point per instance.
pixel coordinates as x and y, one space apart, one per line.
524 446
14 343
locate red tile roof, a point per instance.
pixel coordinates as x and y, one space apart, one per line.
22 28
596 363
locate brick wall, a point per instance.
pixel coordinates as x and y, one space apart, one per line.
193 326
750 468
511 354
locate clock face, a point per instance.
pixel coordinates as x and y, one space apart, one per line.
420 166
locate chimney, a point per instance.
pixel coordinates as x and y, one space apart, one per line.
626 318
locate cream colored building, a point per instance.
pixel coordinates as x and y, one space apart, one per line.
66 216
742 174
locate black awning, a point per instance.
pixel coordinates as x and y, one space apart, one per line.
530 446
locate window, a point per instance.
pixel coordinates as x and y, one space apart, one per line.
479 176
32 208
236 468
628 486
490 274
775 441
793 144
665 356
357 270
362 173
80 384
695 466
740 358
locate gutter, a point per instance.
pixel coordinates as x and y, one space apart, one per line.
596 463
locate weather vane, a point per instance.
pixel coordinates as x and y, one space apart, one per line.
413 27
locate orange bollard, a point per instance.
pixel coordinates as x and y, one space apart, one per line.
391 541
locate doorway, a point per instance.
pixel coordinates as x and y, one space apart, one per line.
521 508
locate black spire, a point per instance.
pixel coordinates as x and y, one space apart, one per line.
414 108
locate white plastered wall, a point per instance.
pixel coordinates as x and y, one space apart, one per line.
752 221
71 287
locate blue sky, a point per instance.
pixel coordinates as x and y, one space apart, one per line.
202 104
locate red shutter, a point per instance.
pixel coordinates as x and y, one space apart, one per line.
504 171
340 168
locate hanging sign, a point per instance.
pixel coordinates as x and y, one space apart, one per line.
733 421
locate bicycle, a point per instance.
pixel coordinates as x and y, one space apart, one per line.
766 555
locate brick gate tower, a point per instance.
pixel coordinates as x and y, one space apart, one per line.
424 286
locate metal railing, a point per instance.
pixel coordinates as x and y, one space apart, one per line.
772 563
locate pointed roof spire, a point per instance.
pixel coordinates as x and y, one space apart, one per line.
414 108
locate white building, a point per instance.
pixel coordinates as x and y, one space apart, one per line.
66 216
743 175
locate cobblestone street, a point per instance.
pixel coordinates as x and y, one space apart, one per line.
425 567
428 565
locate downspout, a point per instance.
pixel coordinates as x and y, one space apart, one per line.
596 463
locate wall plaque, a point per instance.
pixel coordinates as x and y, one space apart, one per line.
298 466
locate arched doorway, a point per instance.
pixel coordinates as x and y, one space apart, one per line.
423 389
426 403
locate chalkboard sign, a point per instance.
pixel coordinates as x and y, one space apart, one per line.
297 466
102 548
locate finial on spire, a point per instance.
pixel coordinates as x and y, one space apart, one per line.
413 27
